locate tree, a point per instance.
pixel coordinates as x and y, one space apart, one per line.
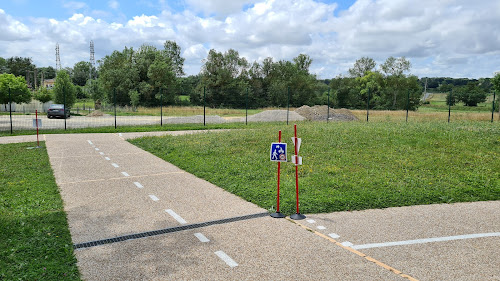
451 98
394 69
172 51
43 95
20 66
496 83
471 94
19 92
303 62
362 66
64 91
81 73
3 66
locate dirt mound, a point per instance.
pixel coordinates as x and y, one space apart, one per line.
320 113
96 113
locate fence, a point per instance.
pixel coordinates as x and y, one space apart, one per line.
14 117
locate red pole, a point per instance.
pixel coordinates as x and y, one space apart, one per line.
279 166
36 118
296 169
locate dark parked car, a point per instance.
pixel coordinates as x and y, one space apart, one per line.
57 110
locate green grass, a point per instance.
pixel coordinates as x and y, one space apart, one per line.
438 104
347 166
125 129
35 243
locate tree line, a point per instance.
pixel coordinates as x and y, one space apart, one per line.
148 76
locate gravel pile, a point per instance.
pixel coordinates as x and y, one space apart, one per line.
275 115
320 113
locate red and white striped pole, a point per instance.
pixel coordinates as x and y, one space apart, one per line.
296 141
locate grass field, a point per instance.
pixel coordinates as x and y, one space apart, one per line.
35 242
347 166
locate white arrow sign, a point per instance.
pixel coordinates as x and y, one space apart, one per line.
299 141
294 160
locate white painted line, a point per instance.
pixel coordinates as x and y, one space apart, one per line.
154 198
138 185
102 153
107 158
427 240
334 235
125 174
115 165
90 142
176 216
120 134
228 260
201 237
97 149
311 221
321 227
347 244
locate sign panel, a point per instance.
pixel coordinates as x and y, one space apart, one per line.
278 152
39 123
293 160
299 141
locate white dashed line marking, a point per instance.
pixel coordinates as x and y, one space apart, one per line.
125 174
90 142
428 240
154 198
228 260
321 227
120 134
201 237
347 244
334 235
311 221
102 153
176 216
97 149
107 158
115 165
139 185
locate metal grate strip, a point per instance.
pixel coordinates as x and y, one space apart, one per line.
164 231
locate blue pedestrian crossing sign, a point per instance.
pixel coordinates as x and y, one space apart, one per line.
278 152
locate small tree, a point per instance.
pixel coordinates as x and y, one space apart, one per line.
19 92
43 95
63 86
471 94
450 99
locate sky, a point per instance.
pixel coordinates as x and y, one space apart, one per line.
445 38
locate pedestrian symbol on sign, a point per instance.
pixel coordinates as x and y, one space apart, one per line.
278 152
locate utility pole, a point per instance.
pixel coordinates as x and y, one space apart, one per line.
58 59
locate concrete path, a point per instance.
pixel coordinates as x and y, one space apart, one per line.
114 190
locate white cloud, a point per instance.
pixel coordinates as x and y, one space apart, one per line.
113 4
441 38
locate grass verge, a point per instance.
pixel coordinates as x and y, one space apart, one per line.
35 243
347 166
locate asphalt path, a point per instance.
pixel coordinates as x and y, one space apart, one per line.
138 217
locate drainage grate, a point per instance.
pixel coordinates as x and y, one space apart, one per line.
165 230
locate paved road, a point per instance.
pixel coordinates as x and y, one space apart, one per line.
112 189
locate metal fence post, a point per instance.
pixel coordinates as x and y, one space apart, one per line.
161 107
449 105
10 111
368 105
493 106
204 104
246 108
407 105
288 105
64 106
114 101
328 110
